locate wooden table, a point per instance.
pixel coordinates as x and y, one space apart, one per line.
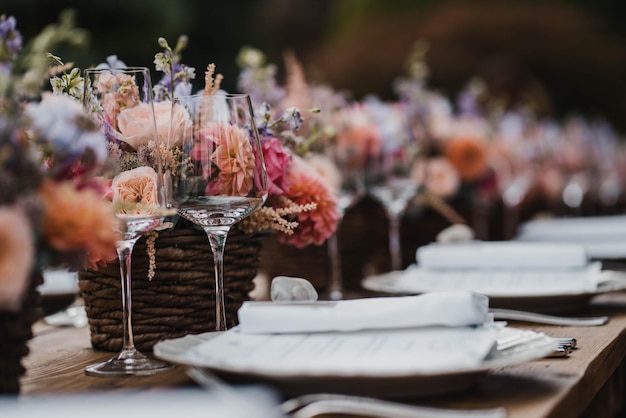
590 382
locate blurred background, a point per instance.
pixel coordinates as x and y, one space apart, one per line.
564 57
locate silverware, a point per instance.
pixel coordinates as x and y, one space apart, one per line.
309 406
568 341
513 315
559 352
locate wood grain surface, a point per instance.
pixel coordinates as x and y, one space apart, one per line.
590 382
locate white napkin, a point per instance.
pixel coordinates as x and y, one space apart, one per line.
601 236
509 255
501 282
59 282
452 309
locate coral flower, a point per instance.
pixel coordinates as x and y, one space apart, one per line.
17 253
468 155
306 186
232 156
78 220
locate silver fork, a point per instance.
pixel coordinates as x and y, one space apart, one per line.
309 406
513 315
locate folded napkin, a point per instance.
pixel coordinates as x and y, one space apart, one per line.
452 309
501 255
601 236
588 228
501 282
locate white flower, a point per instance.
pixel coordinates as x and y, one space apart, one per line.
112 62
60 121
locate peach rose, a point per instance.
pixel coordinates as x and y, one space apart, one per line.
17 254
136 124
136 186
180 122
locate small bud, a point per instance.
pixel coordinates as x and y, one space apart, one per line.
182 42
163 42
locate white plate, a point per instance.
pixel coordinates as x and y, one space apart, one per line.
365 381
611 281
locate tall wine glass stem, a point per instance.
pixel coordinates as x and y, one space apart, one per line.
217 239
335 288
394 241
124 254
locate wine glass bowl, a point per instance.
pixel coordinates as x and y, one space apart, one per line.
120 100
222 178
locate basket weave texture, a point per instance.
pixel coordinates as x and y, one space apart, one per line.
180 299
15 332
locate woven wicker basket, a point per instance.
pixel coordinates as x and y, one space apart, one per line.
180 299
15 332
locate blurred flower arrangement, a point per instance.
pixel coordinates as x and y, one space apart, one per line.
51 213
511 155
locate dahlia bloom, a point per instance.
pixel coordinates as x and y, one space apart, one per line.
306 186
469 156
228 149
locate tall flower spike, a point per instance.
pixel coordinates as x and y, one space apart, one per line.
212 84
298 94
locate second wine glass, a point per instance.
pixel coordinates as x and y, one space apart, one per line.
120 100
223 176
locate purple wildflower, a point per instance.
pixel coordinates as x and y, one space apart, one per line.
10 38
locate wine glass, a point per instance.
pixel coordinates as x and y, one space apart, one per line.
350 190
390 178
120 100
223 176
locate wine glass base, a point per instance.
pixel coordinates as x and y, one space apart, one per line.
336 295
127 363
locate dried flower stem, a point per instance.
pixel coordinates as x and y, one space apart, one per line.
151 250
430 199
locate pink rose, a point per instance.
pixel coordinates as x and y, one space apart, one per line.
136 186
276 161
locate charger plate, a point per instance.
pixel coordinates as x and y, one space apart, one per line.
362 380
552 303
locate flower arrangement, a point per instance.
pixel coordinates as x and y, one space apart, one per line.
301 205
51 213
